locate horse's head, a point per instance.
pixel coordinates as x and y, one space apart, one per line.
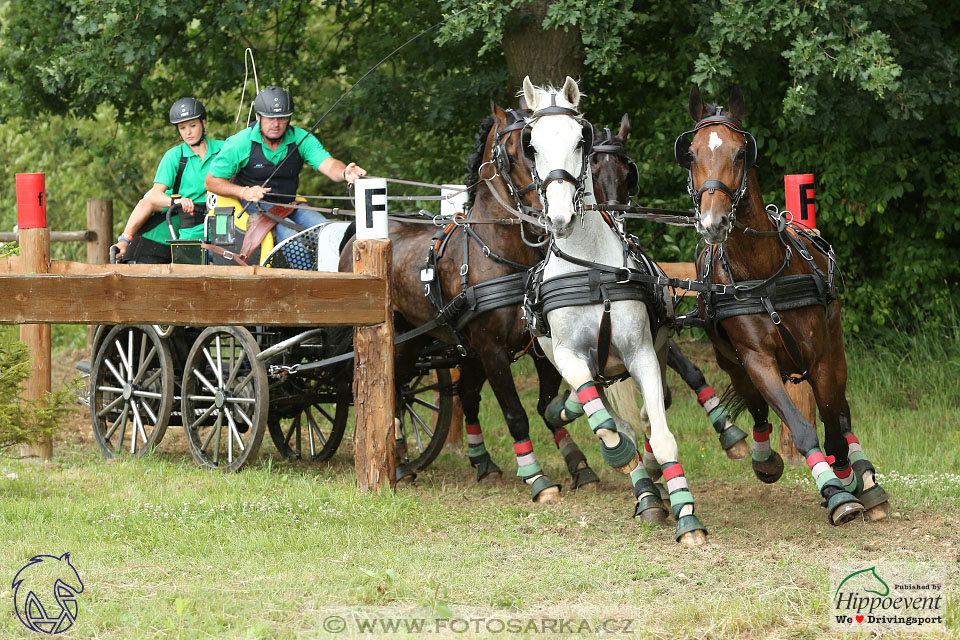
718 154
615 175
506 151
557 143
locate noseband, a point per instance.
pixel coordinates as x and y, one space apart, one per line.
681 152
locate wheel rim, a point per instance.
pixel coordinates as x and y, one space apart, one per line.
310 431
224 398
131 391
424 408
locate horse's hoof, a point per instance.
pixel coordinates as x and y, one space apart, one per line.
738 451
490 478
585 478
769 470
693 538
650 509
405 475
550 494
878 512
630 466
846 512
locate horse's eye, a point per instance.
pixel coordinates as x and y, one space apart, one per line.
740 154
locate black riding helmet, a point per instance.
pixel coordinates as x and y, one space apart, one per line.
274 102
186 109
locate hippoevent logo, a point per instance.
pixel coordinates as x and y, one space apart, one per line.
888 597
45 594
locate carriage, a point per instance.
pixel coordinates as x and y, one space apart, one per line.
227 385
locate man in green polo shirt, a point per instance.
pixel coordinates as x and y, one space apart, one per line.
146 236
267 157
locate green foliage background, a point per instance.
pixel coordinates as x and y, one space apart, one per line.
862 94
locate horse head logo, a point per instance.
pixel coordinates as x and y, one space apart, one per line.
45 594
867 578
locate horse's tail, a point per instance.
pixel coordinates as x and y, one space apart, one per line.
624 397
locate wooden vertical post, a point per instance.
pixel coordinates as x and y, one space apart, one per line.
100 221
34 237
373 386
455 435
802 396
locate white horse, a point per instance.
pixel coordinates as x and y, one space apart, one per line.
556 141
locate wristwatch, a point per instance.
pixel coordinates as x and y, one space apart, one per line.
124 238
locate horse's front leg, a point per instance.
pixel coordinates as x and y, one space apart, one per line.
553 409
646 367
765 374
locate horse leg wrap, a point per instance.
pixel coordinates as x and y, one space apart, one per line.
677 486
689 523
562 410
646 493
576 462
623 453
761 441
484 465
848 478
828 484
539 484
597 414
650 461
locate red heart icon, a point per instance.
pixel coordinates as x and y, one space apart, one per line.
859 618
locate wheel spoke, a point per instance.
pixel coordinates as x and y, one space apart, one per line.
113 370
234 431
424 403
218 425
213 365
123 430
289 434
324 412
107 409
238 387
195 427
204 381
142 368
153 378
153 416
244 416
116 423
234 370
137 430
147 394
315 428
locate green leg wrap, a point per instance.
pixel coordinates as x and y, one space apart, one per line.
731 436
572 407
689 523
581 475
484 465
677 501
621 454
541 483
872 497
719 417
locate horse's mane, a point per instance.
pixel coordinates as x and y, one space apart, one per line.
476 160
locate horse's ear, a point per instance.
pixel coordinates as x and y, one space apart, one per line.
736 108
696 107
529 93
498 113
571 92
624 127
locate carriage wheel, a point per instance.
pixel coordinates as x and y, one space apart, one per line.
424 408
315 431
131 390
224 398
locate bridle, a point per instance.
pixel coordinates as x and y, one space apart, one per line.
586 142
681 151
609 144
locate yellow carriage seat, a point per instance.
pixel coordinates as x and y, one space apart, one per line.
226 226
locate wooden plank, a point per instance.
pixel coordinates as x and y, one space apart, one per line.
374 396
234 296
35 248
55 236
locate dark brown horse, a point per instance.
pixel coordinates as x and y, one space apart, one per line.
781 316
495 249
615 180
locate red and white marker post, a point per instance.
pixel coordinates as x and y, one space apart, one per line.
34 238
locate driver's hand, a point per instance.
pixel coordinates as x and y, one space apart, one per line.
186 204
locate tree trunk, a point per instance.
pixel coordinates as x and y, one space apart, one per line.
547 56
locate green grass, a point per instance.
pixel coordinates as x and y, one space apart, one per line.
168 551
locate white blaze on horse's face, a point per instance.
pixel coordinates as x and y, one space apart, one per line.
556 140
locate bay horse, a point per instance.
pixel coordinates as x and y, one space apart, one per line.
778 315
594 321
473 253
615 179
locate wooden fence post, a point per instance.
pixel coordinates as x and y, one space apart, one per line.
100 221
34 258
373 386
802 396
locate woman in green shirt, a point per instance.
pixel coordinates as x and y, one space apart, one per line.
146 236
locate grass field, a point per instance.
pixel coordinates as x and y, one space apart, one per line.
286 550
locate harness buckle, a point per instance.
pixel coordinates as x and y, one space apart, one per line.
464 269
462 351
486 251
606 306
775 317
229 255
